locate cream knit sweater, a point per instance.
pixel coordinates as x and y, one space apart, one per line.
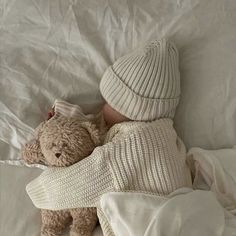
137 156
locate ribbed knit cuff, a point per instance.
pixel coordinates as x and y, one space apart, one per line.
80 185
37 193
130 104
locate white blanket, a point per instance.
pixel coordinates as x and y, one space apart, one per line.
216 171
185 212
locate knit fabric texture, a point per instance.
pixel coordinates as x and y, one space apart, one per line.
145 84
104 223
138 156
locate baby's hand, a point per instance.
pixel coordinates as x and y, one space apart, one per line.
51 113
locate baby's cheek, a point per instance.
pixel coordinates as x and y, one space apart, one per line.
107 118
112 116
106 114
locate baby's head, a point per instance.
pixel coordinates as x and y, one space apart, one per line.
143 85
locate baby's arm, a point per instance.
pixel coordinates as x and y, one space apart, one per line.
79 185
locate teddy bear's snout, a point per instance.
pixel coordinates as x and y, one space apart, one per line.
57 154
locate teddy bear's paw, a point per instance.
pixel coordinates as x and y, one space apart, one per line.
81 233
49 232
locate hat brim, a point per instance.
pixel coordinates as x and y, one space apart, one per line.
130 104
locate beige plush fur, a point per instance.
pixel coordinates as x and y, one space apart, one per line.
62 142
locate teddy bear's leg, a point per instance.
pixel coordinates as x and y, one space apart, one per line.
84 221
54 222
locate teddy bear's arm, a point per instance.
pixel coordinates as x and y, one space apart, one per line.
31 152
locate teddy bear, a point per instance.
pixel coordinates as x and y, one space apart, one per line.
61 142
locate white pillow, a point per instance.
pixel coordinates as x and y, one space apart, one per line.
183 213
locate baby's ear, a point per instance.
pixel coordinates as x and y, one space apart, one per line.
93 131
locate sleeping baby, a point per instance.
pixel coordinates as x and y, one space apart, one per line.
141 151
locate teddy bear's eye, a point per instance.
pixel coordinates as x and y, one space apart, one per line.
64 145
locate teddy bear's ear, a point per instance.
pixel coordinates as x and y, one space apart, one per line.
39 130
93 131
31 153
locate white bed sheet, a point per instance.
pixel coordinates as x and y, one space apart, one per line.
60 49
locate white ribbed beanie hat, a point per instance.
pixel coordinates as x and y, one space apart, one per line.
145 84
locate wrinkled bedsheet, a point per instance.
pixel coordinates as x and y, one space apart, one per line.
60 49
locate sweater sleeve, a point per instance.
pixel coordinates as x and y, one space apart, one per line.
79 185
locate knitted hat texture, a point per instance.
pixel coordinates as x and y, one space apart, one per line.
145 84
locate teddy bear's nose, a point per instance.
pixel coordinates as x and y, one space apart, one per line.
58 155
